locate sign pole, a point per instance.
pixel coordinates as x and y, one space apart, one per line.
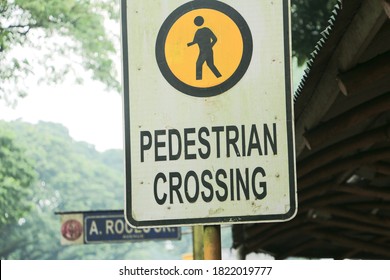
197 232
212 242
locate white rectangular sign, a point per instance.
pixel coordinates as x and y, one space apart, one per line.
208 112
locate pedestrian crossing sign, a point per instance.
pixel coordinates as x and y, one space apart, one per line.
208 112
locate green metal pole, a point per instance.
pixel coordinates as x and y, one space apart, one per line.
212 242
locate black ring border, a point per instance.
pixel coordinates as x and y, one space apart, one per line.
245 59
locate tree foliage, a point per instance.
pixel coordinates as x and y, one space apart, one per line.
16 177
73 30
308 19
70 176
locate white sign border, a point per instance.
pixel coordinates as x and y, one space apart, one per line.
210 220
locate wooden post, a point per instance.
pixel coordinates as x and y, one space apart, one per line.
212 242
197 239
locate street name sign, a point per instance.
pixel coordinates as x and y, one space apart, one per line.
208 118
108 227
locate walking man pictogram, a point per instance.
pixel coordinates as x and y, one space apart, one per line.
205 39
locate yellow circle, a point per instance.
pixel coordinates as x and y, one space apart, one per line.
182 58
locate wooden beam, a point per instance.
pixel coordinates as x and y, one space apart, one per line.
373 192
382 250
356 251
270 229
343 148
382 168
262 235
333 168
357 216
374 206
305 245
263 232
256 229
354 226
262 242
366 24
380 44
336 199
319 196
371 77
318 190
325 132
386 6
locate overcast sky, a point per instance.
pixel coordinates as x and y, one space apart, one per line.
89 112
